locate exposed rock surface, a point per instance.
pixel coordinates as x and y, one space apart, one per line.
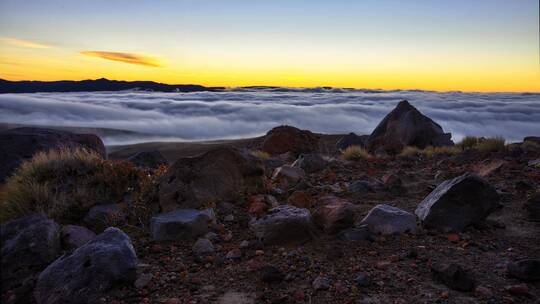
20 144
75 236
87 273
284 139
203 246
406 126
534 139
29 244
334 214
387 220
352 139
148 159
310 163
181 224
284 224
218 175
457 203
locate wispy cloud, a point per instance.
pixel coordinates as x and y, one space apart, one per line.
125 57
24 43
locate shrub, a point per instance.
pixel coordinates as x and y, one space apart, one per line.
355 153
260 154
410 151
468 142
64 184
493 144
530 146
444 150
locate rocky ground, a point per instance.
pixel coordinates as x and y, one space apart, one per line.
389 269
287 218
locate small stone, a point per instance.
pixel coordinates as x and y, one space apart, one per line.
244 244
259 252
229 218
234 254
483 292
453 237
321 283
202 247
143 280
454 276
362 279
518 290
270 274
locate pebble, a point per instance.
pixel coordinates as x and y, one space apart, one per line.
362 279
321 283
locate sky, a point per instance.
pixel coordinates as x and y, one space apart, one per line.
480 45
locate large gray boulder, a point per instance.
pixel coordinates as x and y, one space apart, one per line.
223 174
284 224
458 203
387 220
89 272
310 163
181 224
406 126
20 144
29 244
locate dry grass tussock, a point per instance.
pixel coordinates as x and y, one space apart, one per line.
355 153
65 183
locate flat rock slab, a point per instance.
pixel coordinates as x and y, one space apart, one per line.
181 224
387 220
458 203
89 272
284 224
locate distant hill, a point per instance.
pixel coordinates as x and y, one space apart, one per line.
101 84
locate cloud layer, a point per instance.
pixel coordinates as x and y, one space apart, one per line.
244 113
124 57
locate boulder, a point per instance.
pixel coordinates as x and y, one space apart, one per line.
284 139
284 224
334 214
387 220
29 244
88 272
352 139
457 203
300 199
181 224
310 163
406 126
20 144
288 175
74 236
100 217
453 276
223 174
527 270
148 159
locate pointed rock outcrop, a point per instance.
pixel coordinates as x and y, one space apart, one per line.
406 126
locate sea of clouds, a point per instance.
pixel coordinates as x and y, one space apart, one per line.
239 113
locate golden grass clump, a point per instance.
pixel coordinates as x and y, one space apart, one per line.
444 150
260 154
468 142
64 184
493 144
355 153
410 151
